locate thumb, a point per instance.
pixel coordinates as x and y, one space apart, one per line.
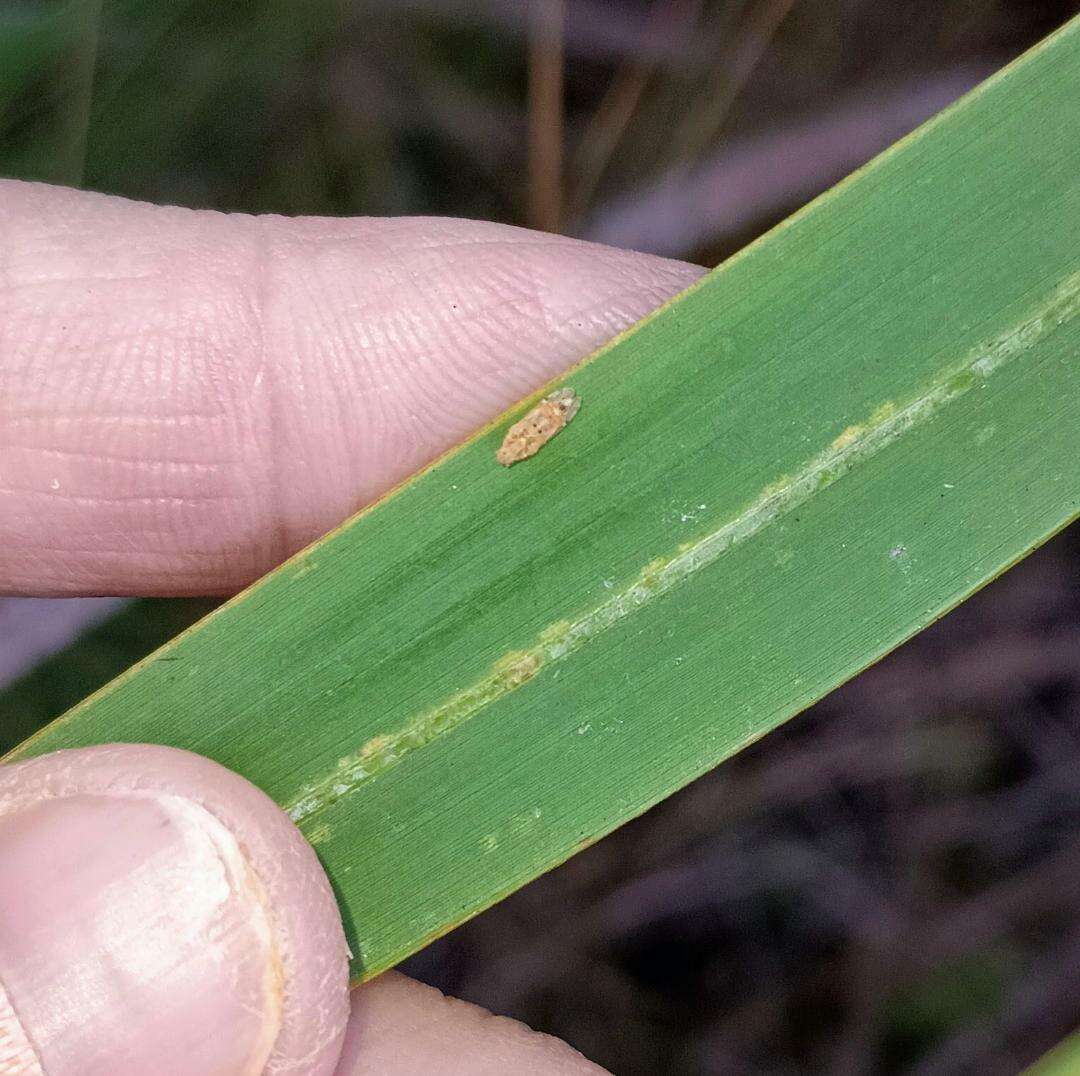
188 397
158 914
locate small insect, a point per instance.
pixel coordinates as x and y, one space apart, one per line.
527 436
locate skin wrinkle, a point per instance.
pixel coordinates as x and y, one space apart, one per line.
266 386
529 290
525 301
105 551
448 379
391 354
110 419
136 461
345 378
295 341
93 500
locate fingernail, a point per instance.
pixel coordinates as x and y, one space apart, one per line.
135 938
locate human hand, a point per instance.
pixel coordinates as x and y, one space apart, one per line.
185 399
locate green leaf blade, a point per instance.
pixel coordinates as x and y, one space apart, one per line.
823 447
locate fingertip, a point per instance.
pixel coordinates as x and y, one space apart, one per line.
160 913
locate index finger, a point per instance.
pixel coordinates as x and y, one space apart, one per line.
188 397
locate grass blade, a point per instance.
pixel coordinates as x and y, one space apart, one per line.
1062 1060
819 450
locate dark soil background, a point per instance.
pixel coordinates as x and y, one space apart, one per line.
890 883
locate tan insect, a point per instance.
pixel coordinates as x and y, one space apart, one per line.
527 436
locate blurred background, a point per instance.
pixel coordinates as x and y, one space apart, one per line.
891 883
